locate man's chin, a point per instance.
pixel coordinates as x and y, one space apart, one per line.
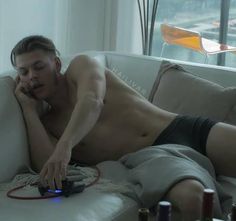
39 97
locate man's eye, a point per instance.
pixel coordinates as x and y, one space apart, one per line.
38 68
21 72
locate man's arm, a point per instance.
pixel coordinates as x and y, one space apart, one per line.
40 143
90 82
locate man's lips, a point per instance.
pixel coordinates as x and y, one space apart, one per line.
36 87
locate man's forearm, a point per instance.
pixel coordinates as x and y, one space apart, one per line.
83 118
40 145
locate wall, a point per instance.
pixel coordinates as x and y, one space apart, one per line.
74 25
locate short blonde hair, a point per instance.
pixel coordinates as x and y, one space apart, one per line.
31 43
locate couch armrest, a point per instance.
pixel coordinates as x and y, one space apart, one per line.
13 147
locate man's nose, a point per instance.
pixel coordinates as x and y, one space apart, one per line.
32 74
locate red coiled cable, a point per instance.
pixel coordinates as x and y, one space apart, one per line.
10 195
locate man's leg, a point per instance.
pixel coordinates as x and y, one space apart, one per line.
221 148
186 198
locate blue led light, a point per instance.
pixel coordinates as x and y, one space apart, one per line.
54 191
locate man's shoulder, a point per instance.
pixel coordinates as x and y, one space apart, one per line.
81 64
82 60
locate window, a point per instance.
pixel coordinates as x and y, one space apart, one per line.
203 16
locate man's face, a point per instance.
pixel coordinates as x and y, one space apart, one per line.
37 70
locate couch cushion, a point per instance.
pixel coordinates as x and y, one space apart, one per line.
181 92
90 205
14 151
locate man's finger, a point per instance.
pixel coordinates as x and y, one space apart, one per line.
25 86
57 175
42 176
50 176
63 171
18 86
17 79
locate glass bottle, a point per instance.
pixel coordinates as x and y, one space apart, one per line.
233 213
207 205
143 214
164 211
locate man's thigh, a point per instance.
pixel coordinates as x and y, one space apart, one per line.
221 148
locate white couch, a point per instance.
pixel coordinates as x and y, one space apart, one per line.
92 205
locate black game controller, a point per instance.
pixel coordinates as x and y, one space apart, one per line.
68 188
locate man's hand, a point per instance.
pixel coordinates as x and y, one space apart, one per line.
22 92
55 169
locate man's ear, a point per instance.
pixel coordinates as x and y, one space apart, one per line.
58 64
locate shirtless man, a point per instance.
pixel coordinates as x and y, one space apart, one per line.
94 116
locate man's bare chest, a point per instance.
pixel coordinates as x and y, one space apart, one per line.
56 123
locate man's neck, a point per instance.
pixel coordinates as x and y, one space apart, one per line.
60 99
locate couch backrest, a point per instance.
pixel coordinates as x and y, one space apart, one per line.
140 71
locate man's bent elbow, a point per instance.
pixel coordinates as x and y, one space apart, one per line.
96 102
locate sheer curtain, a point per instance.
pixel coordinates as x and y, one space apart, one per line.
19 18
122 27
74 25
